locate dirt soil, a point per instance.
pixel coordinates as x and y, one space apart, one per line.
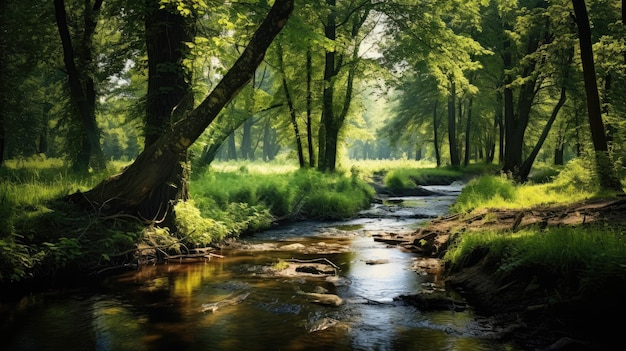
523 302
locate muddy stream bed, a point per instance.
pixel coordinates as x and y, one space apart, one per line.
306 286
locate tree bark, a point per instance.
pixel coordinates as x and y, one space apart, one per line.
516 121
169 95
604 166
126 192
168 99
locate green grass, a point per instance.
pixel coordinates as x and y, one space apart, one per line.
572 263
309 192
571 184
576 260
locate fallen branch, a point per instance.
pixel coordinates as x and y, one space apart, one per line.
323 259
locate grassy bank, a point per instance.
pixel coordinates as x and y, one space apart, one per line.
41 236
574 267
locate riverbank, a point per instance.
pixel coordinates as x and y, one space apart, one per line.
526 301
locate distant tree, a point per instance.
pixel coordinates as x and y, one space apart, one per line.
434 38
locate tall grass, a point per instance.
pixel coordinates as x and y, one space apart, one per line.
583 259
305 192
573 183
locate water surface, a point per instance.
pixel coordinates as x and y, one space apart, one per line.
163 307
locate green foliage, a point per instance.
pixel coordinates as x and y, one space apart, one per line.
17 260
193 228
330 205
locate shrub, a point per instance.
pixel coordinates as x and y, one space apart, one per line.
194 228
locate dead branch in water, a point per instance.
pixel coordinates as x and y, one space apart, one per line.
322 259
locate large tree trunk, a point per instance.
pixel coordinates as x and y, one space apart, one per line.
526 166
333 122
81 83
169 95
516 121
128 191
169 98
604 166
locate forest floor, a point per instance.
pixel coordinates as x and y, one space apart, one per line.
527 308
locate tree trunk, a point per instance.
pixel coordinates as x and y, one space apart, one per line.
309 107
292 109
246 137
454 152
558 154
126 192
333 122
604 165
82 89
328 114
231 153
436 134
525 168
516 125
169 93
467 133
3 77
169 99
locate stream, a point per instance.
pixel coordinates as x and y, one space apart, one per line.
238 302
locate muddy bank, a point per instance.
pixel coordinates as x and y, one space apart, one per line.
529 308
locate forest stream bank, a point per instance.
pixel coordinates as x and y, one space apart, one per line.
526 301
